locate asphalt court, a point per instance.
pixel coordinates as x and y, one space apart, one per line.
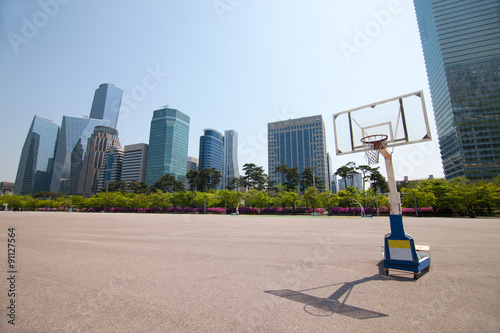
105 272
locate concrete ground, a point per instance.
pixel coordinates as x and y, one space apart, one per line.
98 272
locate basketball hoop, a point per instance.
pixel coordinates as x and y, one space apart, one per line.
374 143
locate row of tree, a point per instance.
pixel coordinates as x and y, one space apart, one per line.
458 196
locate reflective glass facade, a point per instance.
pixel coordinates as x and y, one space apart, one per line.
461 44
106 104
71 145
230 167
211 150
111 167
101 140
298 143
168 145
37 157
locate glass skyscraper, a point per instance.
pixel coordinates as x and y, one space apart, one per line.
211 150
168 145
37 157
230 167
71 145
298 143
111 167
100 141
106 104
461 44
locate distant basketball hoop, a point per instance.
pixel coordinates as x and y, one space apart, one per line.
373 143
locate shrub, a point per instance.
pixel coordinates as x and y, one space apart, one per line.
426 211
408 211
444 211
216 210
383 210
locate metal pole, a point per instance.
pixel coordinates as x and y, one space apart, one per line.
416 207
394 199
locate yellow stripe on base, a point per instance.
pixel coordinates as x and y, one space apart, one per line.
399 244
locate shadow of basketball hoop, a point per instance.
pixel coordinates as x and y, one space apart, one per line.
324 307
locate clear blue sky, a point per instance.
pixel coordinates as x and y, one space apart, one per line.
228 64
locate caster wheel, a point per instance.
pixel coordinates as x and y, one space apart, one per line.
386 272
415 276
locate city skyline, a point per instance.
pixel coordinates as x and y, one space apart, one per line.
236 69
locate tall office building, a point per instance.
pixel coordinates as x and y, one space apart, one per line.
298 143
111 167
192 164
71 145
106 104
99 142
168 145
134 162
230 167
356 181
37 157
211 150
460 41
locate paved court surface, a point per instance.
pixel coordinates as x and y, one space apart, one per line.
97 272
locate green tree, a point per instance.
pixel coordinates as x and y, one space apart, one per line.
137 187
193 180
467 197
440 188
232 198
32 203
159 199
290 177
209 179
183 199
311 197
14 201
347 197
424 199
288 199
366 172
308 179
46 195
119 186
254 178
167 183
327 200
378 183
261 200
77 201
347 171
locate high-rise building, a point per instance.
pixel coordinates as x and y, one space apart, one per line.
211 150
298 143
460 41
192 164
111 167
99 142
134 162
71 145
329 171
230 169
356 181
168 145
37 157
106 104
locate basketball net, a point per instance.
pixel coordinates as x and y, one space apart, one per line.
374 143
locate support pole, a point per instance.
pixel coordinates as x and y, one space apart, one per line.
394 198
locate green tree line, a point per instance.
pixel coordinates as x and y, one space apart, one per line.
254 190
